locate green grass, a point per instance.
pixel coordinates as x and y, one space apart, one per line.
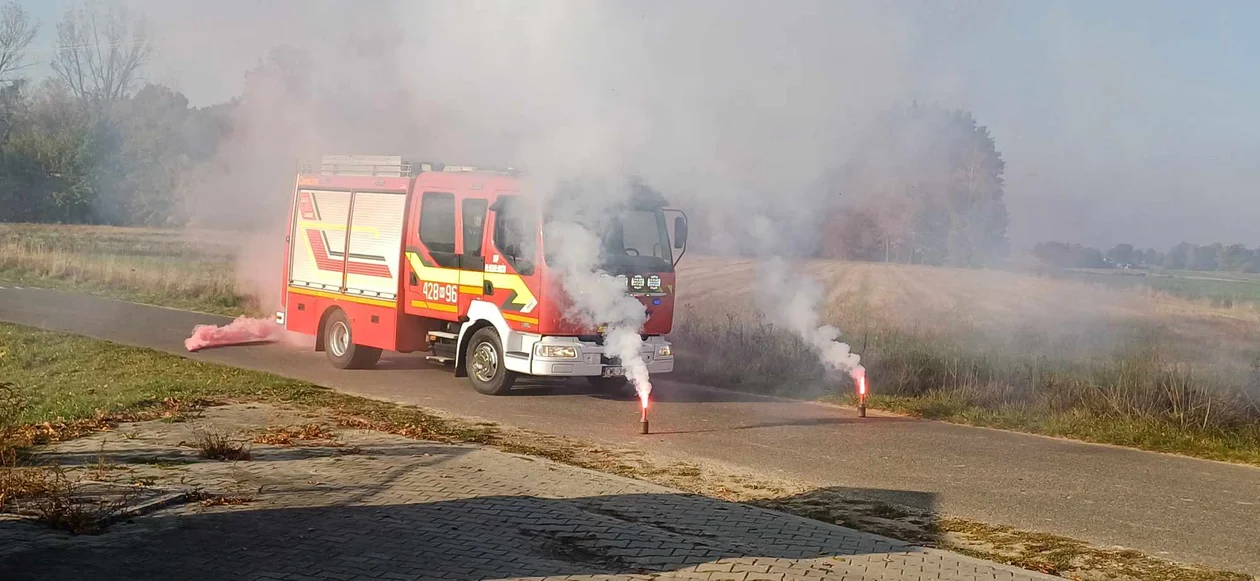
70 384
1222 289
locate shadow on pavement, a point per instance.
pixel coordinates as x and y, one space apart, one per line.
462 539
788 422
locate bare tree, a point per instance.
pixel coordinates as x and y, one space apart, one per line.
16 33
100 55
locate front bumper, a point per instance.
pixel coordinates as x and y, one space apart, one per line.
592 358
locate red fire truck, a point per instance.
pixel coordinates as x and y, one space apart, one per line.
388 255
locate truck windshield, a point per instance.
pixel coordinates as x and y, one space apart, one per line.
634 241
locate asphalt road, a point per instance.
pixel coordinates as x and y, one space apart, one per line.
1180 508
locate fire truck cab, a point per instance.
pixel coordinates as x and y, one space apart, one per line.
384 255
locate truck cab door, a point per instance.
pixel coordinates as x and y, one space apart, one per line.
433 281
512 272
472 259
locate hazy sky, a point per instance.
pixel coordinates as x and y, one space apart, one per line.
1119 121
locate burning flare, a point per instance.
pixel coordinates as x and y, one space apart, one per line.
858 373
242 331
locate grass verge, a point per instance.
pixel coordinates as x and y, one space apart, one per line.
74 385
1139 397
161 267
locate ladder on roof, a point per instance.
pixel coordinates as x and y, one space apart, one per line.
365 165
391 166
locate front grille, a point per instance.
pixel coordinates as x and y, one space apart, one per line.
606 360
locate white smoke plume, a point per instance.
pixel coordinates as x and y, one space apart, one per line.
600 298
795 300
573 246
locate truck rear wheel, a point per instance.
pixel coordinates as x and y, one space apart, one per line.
485 363
340 347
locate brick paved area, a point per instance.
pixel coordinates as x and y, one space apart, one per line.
385 507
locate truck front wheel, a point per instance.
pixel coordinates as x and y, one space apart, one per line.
340 347
485 363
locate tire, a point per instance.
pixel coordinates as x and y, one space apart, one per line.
484 361
340 347
618 386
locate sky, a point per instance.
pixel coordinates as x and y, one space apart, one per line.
1119 121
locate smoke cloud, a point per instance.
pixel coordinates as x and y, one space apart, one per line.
749 115
795 301
599 298
736 120
760 98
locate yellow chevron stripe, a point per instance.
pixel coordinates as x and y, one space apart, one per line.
520 319
432 273
435 306
524 298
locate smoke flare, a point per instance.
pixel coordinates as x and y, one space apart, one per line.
800 311
599 299
242 331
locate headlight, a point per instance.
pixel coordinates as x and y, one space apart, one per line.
665 351
557 351
654 282
637 282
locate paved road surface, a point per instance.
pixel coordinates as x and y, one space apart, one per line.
1180 508
399 509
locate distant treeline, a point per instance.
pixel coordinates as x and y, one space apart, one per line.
66 158
93 143
1184 256
926 188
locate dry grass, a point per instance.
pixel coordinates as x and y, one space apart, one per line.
12 434
18 482
189 270
996 349
236 497
216 445
58 502
53 498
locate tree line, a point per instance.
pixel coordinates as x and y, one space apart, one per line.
93 143
926 188
1183 256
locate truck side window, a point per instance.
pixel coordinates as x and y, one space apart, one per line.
437 227
474 215
516 233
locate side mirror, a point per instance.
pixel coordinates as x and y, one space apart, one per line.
680 232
